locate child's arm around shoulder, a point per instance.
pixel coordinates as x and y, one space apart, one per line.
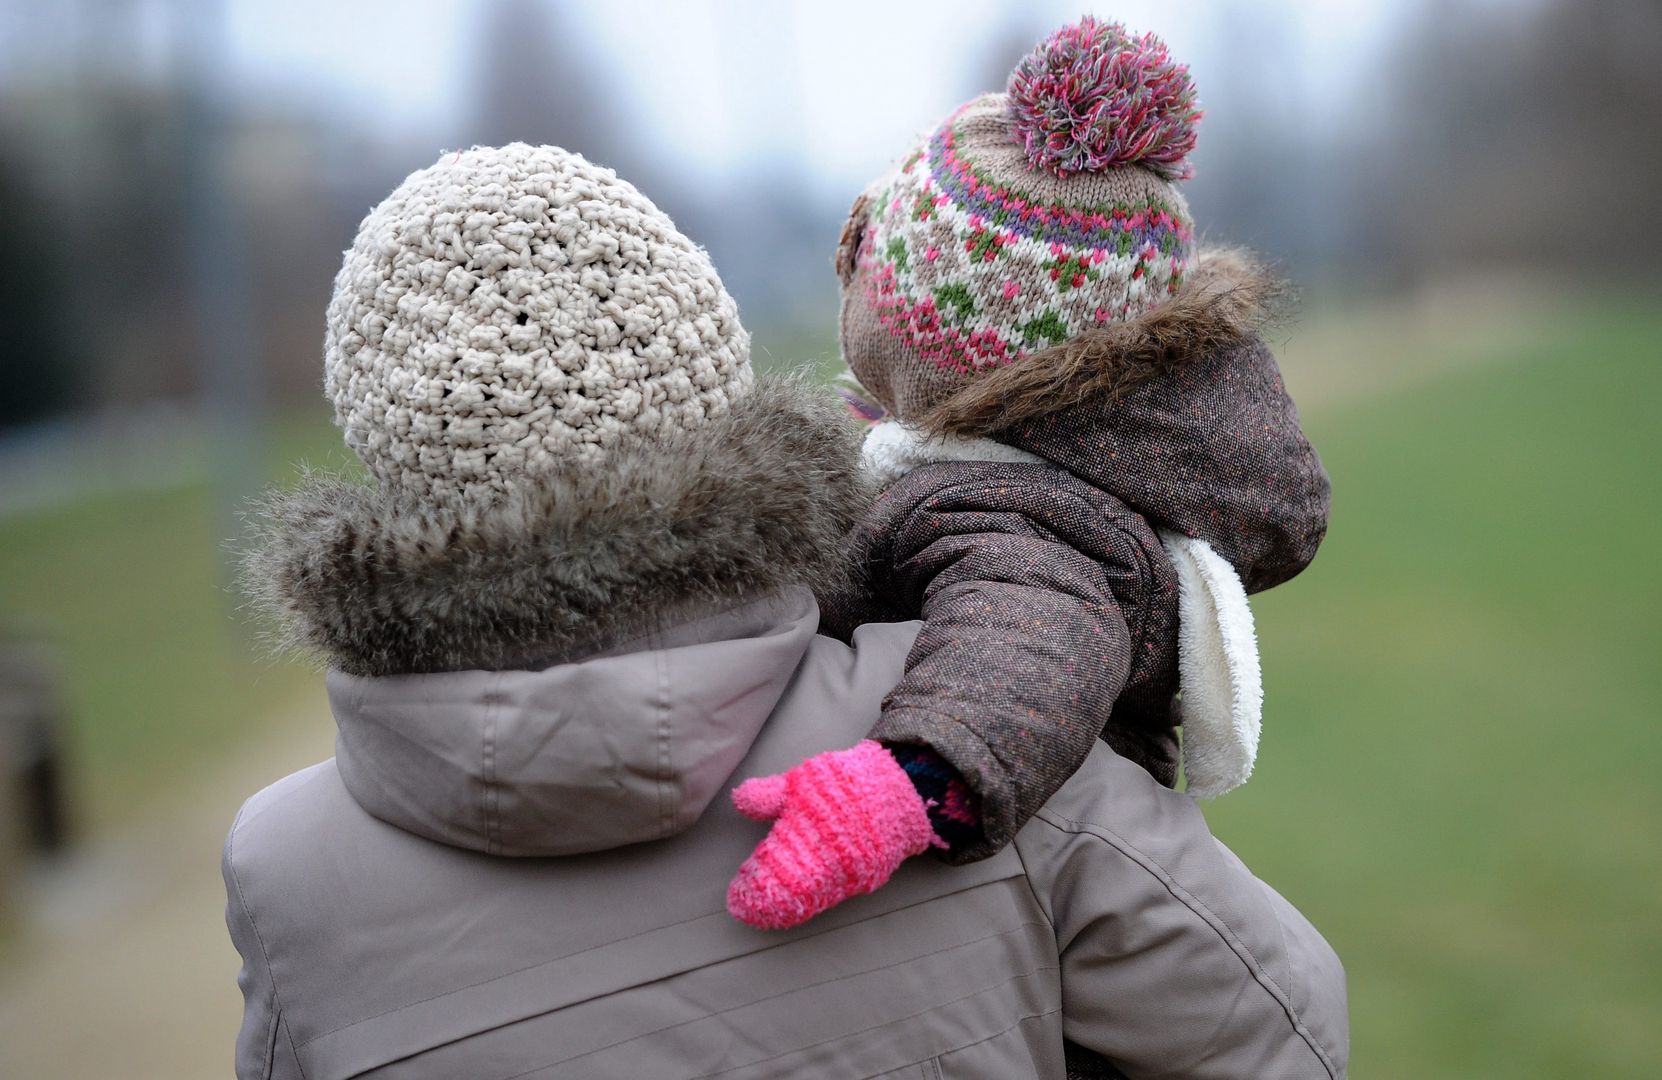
1011 680
1024 646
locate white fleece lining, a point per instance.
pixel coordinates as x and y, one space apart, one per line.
1221 688
1222 702
892 450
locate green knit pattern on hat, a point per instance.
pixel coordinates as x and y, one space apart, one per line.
976 260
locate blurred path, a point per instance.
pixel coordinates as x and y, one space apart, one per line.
126 969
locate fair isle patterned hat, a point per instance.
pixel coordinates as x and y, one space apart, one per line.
1026 219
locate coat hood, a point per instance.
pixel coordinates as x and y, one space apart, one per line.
580 666
620 748
1181 413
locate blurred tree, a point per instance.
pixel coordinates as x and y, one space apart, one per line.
539 80
1015 33
38 366
536 81
99 142
1258 177
1521 135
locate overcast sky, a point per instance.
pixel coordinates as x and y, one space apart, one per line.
842 86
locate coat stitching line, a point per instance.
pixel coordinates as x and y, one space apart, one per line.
914 1016
794 990
1204 913
632 937
276 997
1033 891
271 1042
666 805
935 1060
489 801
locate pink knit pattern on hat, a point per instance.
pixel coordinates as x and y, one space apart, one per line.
843 821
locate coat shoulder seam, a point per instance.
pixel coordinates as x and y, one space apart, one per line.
279 1017
1201 911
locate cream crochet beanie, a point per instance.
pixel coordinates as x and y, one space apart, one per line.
510 311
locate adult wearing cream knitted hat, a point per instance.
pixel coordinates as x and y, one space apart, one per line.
564 618
508 311
552 392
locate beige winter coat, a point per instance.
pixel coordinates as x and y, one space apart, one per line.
520 872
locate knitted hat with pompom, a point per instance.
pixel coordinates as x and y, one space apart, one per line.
1024 220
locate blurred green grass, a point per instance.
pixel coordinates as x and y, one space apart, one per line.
1459 774
132 592
1463 727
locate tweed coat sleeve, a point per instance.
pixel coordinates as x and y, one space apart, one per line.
1025 645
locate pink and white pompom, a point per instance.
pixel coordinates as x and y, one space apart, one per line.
1092 97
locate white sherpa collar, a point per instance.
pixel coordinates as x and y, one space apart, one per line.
1220 684
892 450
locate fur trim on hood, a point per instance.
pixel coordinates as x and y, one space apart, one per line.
1181 413
1228 298
378 583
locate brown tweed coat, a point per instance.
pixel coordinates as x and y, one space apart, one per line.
1049 604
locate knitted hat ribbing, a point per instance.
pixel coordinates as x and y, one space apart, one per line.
1024 220
509 311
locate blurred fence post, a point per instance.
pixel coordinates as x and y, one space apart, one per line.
34 818
228 365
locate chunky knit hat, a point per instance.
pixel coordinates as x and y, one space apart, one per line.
510 311
1026 219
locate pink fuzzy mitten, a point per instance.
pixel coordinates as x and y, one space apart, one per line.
842 822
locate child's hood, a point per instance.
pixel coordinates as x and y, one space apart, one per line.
1181 413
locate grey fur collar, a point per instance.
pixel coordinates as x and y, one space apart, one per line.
377 584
